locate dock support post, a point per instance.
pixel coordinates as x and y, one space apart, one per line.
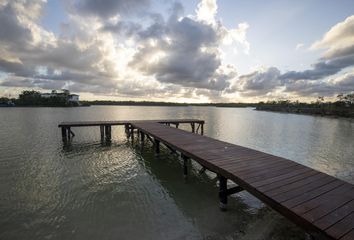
126 129
108 129
185 165
132 132
201 171
202 129
142 137
223 193
102 132
177 125
157 146
63 133
68 133
193 127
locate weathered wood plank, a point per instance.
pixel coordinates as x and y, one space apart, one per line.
316 201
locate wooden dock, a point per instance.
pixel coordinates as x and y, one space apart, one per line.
321 204
197 126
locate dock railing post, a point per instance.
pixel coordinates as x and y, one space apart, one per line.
223 193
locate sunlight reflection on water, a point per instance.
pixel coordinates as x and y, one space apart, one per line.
91 191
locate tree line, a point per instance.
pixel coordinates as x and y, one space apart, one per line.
35 98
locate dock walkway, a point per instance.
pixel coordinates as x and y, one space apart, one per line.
321 204
197 126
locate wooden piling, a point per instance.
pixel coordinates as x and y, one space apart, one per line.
132 132
185 166
223 193
157 146
63 133
68 133
108 129
142 137
102 132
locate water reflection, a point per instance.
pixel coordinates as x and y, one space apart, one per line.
90 190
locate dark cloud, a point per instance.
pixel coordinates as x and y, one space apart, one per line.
16 68
109 8
11 30
33 83
188 49
123 28
339 45
343 84
259 82
322 69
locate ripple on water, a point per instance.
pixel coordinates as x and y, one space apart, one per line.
89 190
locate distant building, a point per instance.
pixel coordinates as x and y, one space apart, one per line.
6 103
74 98
71 98
47 95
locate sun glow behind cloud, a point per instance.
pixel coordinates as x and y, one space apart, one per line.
125 49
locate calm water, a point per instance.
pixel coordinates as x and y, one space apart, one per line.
93 191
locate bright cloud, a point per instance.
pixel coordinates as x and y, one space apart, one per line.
127 49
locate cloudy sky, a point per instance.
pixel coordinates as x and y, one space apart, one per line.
186 50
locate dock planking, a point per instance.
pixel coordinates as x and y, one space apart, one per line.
197 126
123 122
321 204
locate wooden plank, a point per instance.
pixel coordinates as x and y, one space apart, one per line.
348 236
277 184
299 193
339 195
281 177
342 227
122 122
325 208
335 216
295 185
267 175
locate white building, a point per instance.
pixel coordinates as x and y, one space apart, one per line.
73 98
46 95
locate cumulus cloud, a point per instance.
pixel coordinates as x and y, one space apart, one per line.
108 49
259 82
207 10
100 52
109 8
184 51
340 84
330 75
338 43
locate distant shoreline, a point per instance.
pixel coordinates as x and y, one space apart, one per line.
335 112
166 104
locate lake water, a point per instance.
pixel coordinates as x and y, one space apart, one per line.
92 191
